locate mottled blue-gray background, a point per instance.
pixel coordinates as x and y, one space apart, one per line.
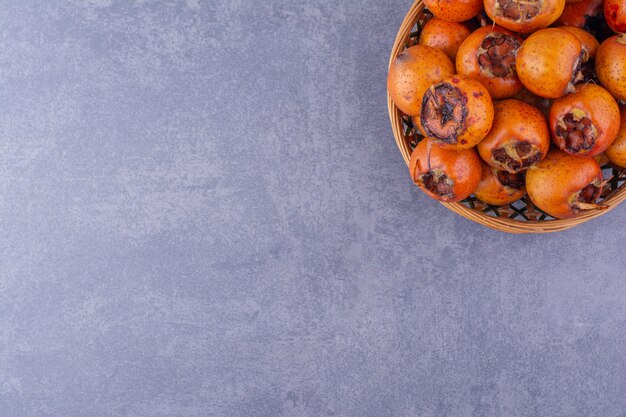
203 213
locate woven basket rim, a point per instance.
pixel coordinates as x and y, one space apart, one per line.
503 224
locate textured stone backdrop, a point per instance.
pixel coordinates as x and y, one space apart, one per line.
203 213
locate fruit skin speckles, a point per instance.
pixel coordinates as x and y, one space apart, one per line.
444 174
542 14
488 55
454 10
548 62
413 71
498 187
460 106
617 151
611 66
586 122
508 147
589 43
564 186
447 36
615 13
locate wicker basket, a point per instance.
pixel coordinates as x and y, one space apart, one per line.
519 217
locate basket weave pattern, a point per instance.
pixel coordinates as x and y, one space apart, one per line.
521 216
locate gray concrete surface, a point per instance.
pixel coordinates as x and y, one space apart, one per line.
203 213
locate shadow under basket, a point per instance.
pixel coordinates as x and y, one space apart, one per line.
519 217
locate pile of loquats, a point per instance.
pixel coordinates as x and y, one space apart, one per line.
516 97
